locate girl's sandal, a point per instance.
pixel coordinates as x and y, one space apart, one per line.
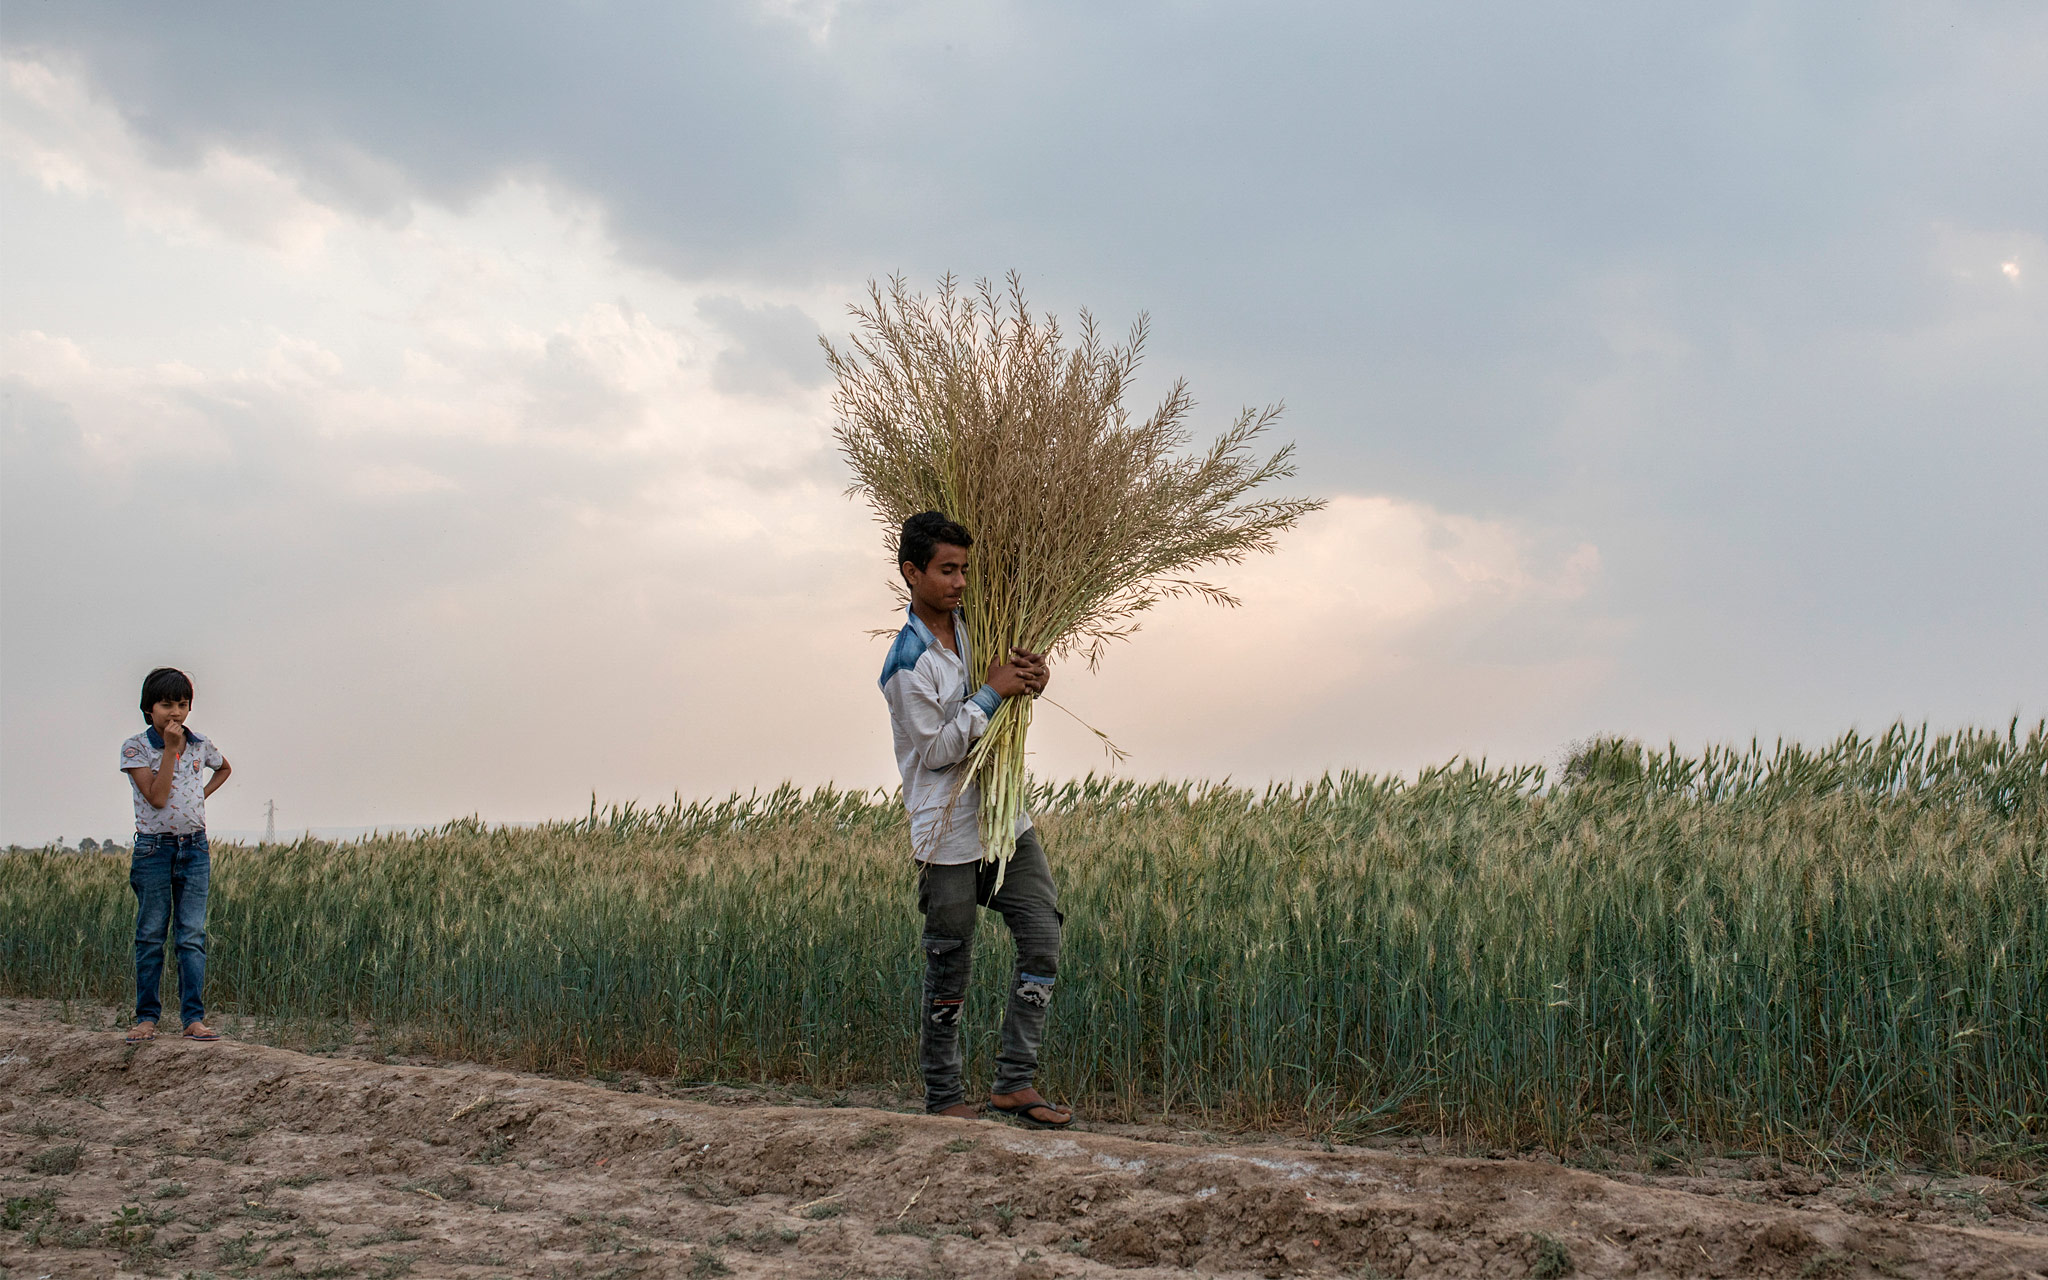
142 1033
200 1031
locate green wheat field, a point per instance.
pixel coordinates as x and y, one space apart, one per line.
1838 951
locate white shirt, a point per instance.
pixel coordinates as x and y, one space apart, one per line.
935 723
185 812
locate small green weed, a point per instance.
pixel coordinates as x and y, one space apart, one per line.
879 1138
1552 1258
1827 1265
245 1250
444 1186
390 1235
705 1263
19 1211
127 1227
493 1150
760 1238
56 1160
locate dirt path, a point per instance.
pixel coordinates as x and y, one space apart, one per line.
236 1159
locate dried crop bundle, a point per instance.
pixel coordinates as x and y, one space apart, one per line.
1083 518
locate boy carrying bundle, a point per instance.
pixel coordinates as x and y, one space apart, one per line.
935 717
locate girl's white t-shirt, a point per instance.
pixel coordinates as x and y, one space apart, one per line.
185 813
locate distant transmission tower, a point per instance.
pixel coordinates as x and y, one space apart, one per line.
270 822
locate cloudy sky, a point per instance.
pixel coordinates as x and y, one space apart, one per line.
437 383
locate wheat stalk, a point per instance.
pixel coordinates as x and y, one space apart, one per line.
1083 517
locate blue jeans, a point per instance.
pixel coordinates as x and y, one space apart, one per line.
169 875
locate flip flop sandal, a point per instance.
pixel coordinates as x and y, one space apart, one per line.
203 1034
1022 1112
137 1035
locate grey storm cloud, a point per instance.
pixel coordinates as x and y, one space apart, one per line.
774 348
1353 204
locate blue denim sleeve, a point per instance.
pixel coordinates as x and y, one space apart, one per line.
987 699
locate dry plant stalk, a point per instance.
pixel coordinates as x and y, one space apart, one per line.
1083 518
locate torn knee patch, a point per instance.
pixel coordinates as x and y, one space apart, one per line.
946 1013
1032 989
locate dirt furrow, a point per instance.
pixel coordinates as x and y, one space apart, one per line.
234 1158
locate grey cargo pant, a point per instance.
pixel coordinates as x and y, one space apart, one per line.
948 896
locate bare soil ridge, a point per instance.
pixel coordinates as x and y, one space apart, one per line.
235 1158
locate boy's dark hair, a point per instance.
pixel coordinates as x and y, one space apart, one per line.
925 531
165 684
